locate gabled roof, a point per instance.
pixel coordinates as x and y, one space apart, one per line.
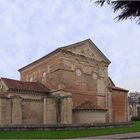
65 48
87 105
92 45
14 85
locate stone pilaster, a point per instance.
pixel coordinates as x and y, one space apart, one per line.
66 110
16 111
49 116
0 112
110 115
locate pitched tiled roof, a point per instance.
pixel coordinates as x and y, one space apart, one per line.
88 106
24 86
120 89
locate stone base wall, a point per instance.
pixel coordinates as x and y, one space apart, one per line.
89 116
55 108
32 111
5 111
64 126
50 111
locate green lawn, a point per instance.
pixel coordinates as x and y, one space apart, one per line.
61 134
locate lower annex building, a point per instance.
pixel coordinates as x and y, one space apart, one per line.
69 85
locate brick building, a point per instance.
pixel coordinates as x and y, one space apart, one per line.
69 85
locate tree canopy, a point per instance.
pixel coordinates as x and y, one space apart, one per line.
128 9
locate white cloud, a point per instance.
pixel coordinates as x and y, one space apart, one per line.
30 29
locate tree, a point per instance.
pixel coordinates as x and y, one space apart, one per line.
134 98
128 9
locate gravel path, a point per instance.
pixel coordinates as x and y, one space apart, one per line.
118 136
134 136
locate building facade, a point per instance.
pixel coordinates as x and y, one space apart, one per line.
69 85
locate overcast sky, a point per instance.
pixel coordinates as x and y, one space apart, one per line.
30 29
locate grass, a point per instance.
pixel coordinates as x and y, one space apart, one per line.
62 134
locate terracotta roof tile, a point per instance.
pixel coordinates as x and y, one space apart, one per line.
88 106
25 86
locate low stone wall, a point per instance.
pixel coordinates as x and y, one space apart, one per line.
63 126
89 116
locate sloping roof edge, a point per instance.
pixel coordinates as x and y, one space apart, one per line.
44 57
61 48
119 89
91 42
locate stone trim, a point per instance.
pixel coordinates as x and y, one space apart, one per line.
69 70
83 93
27 99
91 43
64 126
80 56
89 110
27 91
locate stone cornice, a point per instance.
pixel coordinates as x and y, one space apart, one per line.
83 57
27 92
90 110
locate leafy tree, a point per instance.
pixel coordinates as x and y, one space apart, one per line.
128 9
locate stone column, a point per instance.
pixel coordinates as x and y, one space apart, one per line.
44 111
0 111
66 110
110 115
49 111
16 111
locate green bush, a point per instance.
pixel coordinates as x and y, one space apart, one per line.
135 118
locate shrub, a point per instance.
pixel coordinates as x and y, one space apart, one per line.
134 118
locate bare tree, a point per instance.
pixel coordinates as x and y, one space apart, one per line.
134 97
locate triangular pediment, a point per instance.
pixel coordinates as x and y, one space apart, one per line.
88 49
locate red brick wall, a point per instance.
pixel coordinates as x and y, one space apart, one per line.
79 98
62 71
119 106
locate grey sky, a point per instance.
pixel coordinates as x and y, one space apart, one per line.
30 29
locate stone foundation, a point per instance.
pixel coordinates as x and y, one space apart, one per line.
89 116
64 126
